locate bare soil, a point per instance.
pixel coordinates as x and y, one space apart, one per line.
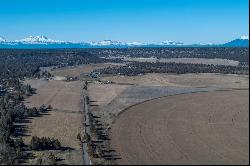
197 128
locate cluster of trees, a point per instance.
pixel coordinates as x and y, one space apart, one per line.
94 149
26 63
10 146
13 110
47 160
97 131
137 68
96 128
44 143
237 54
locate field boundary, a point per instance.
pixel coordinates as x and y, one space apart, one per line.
202 91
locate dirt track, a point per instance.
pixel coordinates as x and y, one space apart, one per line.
198 128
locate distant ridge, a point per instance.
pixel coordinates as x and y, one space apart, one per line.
241 42
45 42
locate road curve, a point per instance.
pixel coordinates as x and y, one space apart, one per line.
197 128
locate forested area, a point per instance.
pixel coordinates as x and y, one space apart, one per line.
137 68
237 54
26 63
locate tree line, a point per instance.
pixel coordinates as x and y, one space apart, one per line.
137 68
237 54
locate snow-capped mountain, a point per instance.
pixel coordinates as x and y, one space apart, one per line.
244 37
136 44
45 42
106 43
169 43
118 43
38 40
2 39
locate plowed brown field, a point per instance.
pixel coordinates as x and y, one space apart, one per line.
196 128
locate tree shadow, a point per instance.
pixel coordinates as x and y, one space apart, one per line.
21 129
111 157
66 149
92 103
21 125
103 140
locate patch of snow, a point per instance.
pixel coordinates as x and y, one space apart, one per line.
106 43
170 42
135 44
2 39
244 37
38 39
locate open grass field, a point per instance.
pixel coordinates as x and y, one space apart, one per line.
60 95
64 122
103 94
185 80
195 128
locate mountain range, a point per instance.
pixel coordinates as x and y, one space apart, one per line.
45 42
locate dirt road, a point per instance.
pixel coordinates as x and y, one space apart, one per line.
198 128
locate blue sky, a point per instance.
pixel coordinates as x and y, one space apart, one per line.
189 21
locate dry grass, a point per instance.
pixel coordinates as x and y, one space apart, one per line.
82 69
64 122
186 80
111 99
59 94
102 94
60 125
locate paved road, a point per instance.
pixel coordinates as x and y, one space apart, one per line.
86 157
